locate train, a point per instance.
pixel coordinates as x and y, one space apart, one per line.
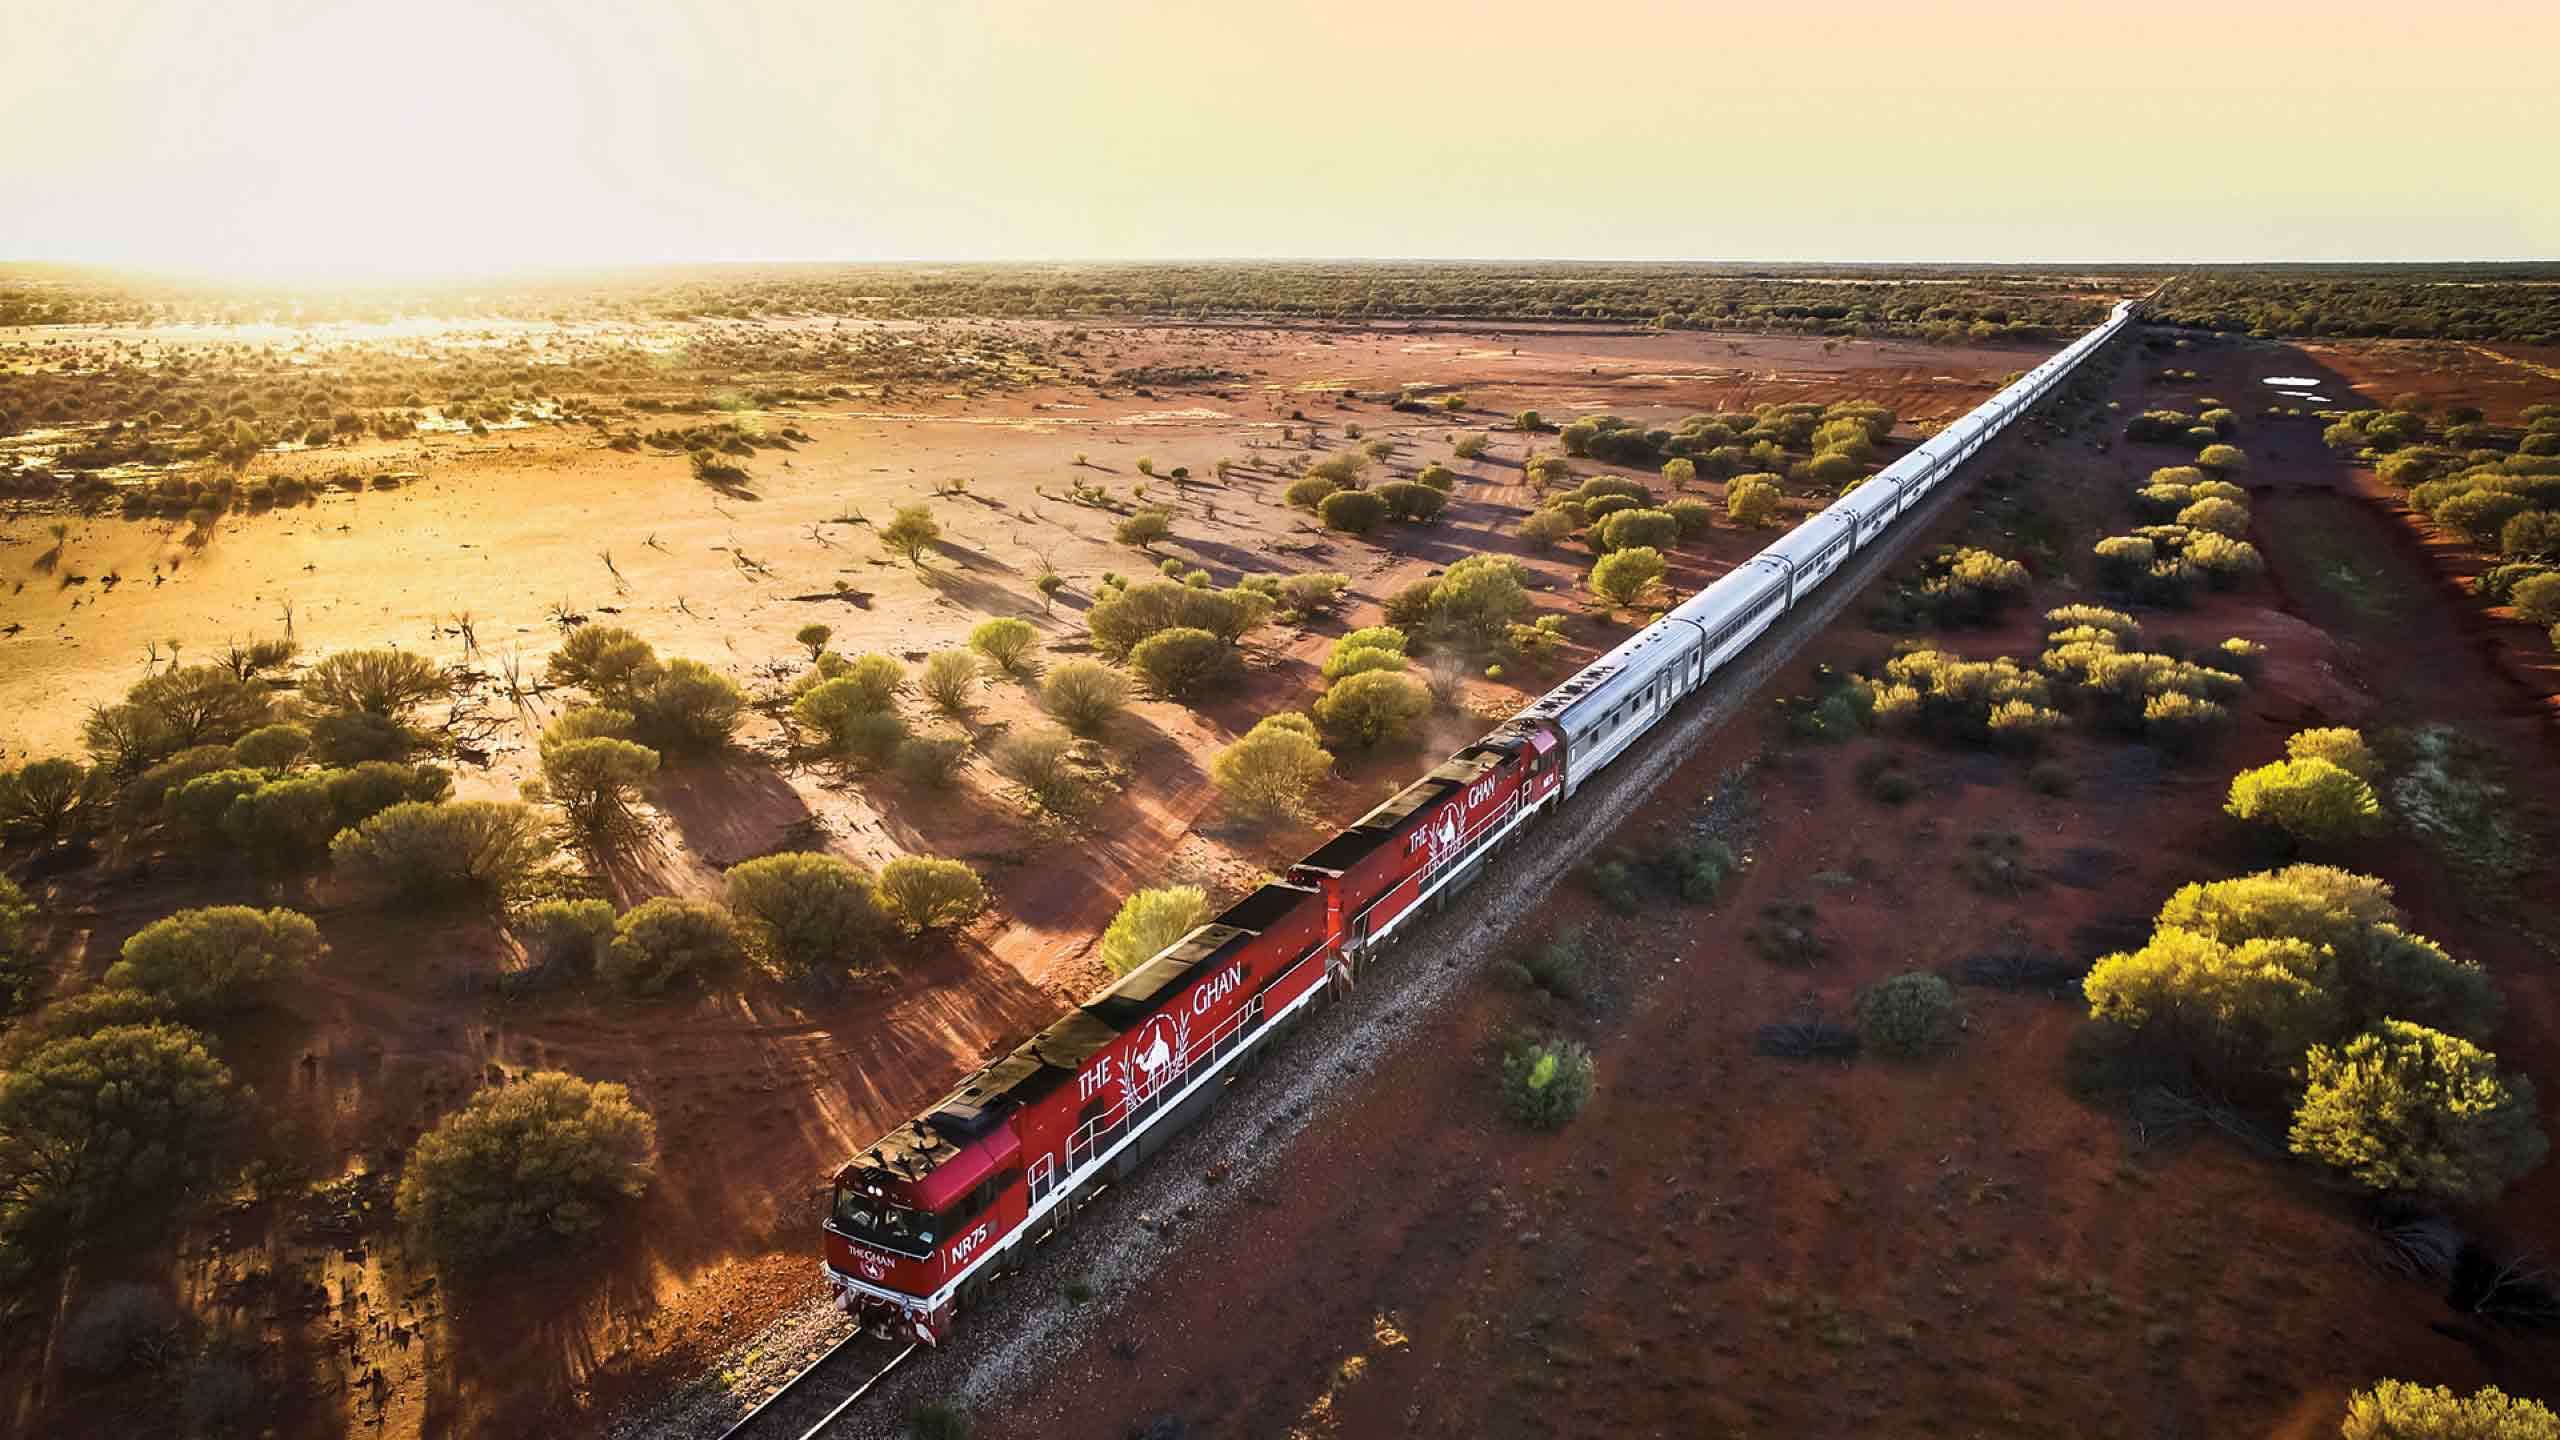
922 1220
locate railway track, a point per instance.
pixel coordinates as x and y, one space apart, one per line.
810 1403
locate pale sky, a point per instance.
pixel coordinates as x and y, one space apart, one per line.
358 137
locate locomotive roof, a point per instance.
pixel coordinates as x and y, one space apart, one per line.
1390 818
1139 993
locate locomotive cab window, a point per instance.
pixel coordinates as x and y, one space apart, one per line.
875 1220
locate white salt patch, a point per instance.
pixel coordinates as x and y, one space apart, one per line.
2296 381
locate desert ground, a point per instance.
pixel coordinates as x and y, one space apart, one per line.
481 545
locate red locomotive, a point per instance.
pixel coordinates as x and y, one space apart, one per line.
925 1217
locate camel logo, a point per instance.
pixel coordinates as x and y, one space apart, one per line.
873 1264
1444 836
1155 1058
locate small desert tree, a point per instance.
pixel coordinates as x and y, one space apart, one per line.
667 940
1354 512
384 683
1149 921
814 638
2402 1410
93 1126
607 661
1272 770
22 974
2309 799
1679 473
215 959
928 894
910 532
810 911
1145 529
1006 643
542 1158
39 800
2406 1110
1623 577
594 779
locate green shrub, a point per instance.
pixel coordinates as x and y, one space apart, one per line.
1410 500
353 737
1353 512
811 912
196 808
2309 799
1908 1016
1151 920
1371 708
1693 517
172 711
606 661
545 1157
2537 599
2339 746
284 824
690 707
665 941
419 852
42 799
2401 1410
2405 1110
385 683
1625 577
911 531
125 1122
1316 593
216 959
1145 529
1119 621
1006 643
1542 529
1546 1083
2533 535
1309 491
1439 477
595 780
2223 517
950 680
1752 500
832 707
569 937
1183 664
273 747
1273 768
1043 764
2180 723
1633 529
931 761
923 894
2223 460
1468 447
1374 647
363 791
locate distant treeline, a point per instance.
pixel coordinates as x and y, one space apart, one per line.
1939 302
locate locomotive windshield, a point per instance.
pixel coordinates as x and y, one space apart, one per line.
874 1220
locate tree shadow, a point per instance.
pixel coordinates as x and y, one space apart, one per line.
729 807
